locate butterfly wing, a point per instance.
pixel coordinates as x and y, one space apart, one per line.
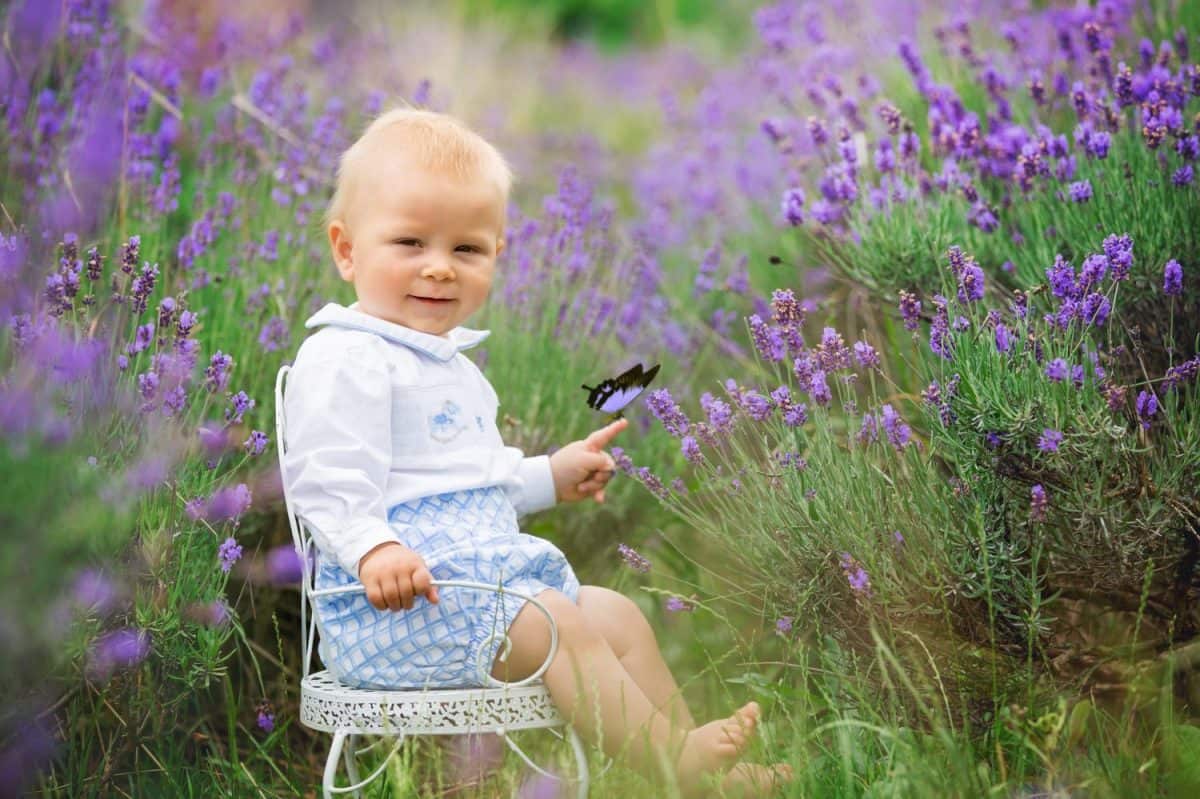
615 394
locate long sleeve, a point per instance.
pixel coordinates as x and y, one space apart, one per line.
531 486
339 452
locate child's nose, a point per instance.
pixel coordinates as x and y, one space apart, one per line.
437 266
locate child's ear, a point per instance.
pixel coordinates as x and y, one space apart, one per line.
342 248
500 244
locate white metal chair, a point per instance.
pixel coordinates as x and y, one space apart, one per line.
350 713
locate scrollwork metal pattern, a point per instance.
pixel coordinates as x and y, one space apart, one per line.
328 705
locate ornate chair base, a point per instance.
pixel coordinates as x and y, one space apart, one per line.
349 713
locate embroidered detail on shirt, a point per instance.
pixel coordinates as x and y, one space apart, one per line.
479 423
445 426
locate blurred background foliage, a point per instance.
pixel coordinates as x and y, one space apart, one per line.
623 24
879 575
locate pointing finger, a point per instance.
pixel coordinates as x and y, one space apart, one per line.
602 436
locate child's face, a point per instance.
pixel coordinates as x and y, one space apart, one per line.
420 246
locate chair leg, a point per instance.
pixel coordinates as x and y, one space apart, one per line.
350 757
331 763
343 746
581 762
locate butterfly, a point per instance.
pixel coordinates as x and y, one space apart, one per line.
614 395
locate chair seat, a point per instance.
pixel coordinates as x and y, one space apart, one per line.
329 705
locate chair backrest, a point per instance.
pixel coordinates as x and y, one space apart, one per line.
301 538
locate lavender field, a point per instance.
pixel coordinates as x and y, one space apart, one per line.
920 472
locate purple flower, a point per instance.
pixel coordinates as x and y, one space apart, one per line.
783 625
1093 270
868 431
623 461
28 750
1037 503
666 411
856 575
256 443
195 508
785 310
768 340
185 323
1056 370
1062 278
93 591
266 716
216 375
720 415
1049 440
633 559
274 335
284 565
1003 341
1097 144
228 503
1115 397
229 553
1173 278
142 339
119 649
1183 176
866 355
970 283
1095 309
540 786
1119 251
898 433
676 604
691 449
1185 372
147 384
792 206
1080 191
1147 406
818 388
794 414
910 309
239 404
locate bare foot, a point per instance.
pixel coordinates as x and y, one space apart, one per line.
715 746
746 780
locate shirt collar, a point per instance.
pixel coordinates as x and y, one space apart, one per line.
439 347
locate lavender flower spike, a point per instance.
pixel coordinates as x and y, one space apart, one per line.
1173 278
1037 503
633 559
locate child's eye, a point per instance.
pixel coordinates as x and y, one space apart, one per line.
467 248
407 242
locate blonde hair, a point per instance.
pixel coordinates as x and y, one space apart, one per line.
441 142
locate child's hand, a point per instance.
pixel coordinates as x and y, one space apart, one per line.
582 468
393 574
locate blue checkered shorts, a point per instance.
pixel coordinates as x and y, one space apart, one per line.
462 535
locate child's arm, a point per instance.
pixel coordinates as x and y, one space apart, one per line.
339 450
582 468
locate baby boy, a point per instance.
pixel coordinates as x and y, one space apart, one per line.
394 463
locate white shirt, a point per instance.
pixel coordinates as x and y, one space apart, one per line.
377 414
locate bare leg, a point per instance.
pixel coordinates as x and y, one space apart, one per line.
602 702
632 639
621 622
